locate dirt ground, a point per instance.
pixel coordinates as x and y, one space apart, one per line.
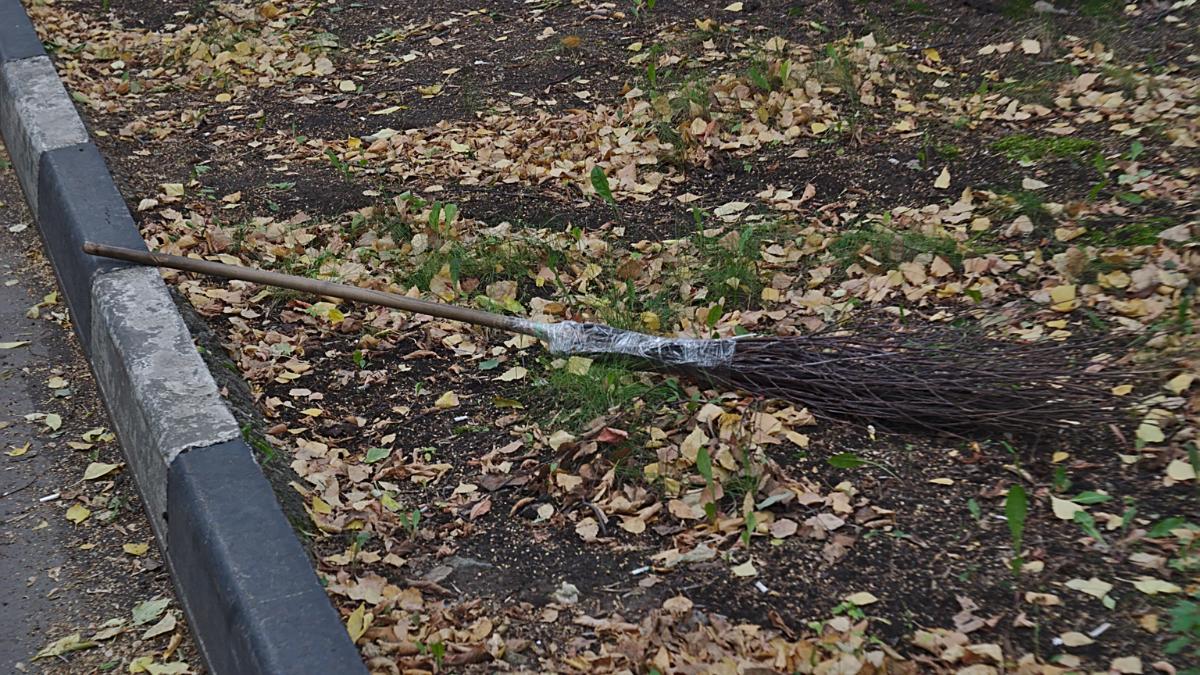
703 169
71 589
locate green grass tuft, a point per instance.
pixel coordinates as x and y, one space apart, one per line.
1029 148
891 247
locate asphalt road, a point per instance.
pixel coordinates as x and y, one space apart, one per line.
58 577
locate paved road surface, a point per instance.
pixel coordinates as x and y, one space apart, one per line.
56 577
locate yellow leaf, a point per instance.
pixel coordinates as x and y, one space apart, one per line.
1177 384
1043 599
358 622
446 401
1115 279
319 506
18 451
311 412
1064 509
1059 456
1126 664
97 469
943 179
1097 588
56 382
327 311
13 345
799 439
78 513
70 643
1152 586
861 598
514 373
138 549
1063 298
819 127
1180 470
579 365
650 321
932 54
942 481
746 569
1031 46
1122 389
1150 432
53 421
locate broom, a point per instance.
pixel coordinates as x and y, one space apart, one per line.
895 378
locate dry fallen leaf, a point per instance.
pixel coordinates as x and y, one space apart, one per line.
1094 587
98 469
138 549
446 401
78 513
943 180
745 569
861 599
512 374
1064 509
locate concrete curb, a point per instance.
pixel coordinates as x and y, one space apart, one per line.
250 594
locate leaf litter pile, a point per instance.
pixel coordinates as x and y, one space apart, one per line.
697 169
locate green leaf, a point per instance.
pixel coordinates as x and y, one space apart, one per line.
1163 528
435 215
714 315
1088 524
704 464
490 364
376 454
1090 497
973 507
1131 198
600 182
1135 150
1016 507
450 212
846 460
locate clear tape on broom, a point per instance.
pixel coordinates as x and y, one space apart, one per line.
571 337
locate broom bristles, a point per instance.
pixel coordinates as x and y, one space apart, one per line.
937 379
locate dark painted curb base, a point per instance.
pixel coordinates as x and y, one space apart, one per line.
218 496
77 200
252 599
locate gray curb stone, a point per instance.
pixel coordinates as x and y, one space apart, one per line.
157 388
37 116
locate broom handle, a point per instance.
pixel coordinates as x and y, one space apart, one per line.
314 286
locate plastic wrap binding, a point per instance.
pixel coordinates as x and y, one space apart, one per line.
571 337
